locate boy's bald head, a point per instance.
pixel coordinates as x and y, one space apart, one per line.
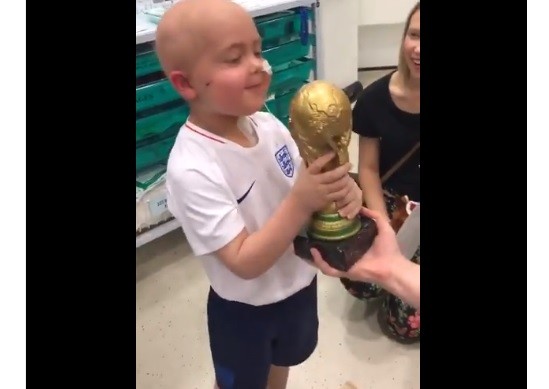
210 50
188 28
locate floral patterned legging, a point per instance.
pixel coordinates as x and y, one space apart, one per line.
402 319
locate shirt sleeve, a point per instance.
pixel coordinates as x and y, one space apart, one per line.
362 119
206 209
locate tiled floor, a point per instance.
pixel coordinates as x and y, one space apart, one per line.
172 343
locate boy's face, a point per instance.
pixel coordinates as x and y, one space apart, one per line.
228 77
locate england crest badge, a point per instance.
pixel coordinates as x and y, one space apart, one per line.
284 160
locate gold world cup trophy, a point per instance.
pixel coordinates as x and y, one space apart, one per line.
320 122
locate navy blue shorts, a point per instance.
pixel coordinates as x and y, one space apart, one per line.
246 340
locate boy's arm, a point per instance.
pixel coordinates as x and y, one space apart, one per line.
209 215
250 255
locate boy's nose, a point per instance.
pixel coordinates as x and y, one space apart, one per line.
257 64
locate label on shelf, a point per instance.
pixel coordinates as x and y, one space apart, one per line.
158 205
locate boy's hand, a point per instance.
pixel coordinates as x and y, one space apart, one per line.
314 190
351 203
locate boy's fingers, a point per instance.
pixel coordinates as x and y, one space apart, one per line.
338 188
318 164
335 174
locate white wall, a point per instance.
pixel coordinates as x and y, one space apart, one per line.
375 12
337 41
380 27
378 45
355 34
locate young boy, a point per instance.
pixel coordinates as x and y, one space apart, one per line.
236 183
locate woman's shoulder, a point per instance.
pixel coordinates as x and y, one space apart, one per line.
372 107
376 90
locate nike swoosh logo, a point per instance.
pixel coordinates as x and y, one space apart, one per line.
245 194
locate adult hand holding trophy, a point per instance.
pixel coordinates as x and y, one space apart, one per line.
320 122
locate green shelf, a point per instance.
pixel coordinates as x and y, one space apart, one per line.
286 52
280 105
291 75
146 63
279 26
164 121
154 94
153 153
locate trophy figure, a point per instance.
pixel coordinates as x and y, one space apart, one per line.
320 122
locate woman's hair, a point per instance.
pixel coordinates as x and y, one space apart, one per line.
403 68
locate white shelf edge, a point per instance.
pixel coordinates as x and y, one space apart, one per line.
149 35
155 233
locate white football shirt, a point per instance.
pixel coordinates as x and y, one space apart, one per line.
216 188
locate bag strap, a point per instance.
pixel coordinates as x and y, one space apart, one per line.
399 163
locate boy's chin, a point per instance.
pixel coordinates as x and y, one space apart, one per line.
246 107
251 109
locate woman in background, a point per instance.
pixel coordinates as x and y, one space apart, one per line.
386 118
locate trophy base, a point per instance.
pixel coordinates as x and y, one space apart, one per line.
343 253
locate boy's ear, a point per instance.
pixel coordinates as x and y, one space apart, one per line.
181 83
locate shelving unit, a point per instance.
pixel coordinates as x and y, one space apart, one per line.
155 233
293 61
256 8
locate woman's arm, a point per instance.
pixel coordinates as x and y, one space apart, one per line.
403 281
368 172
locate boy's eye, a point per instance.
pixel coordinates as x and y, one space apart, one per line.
233 59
